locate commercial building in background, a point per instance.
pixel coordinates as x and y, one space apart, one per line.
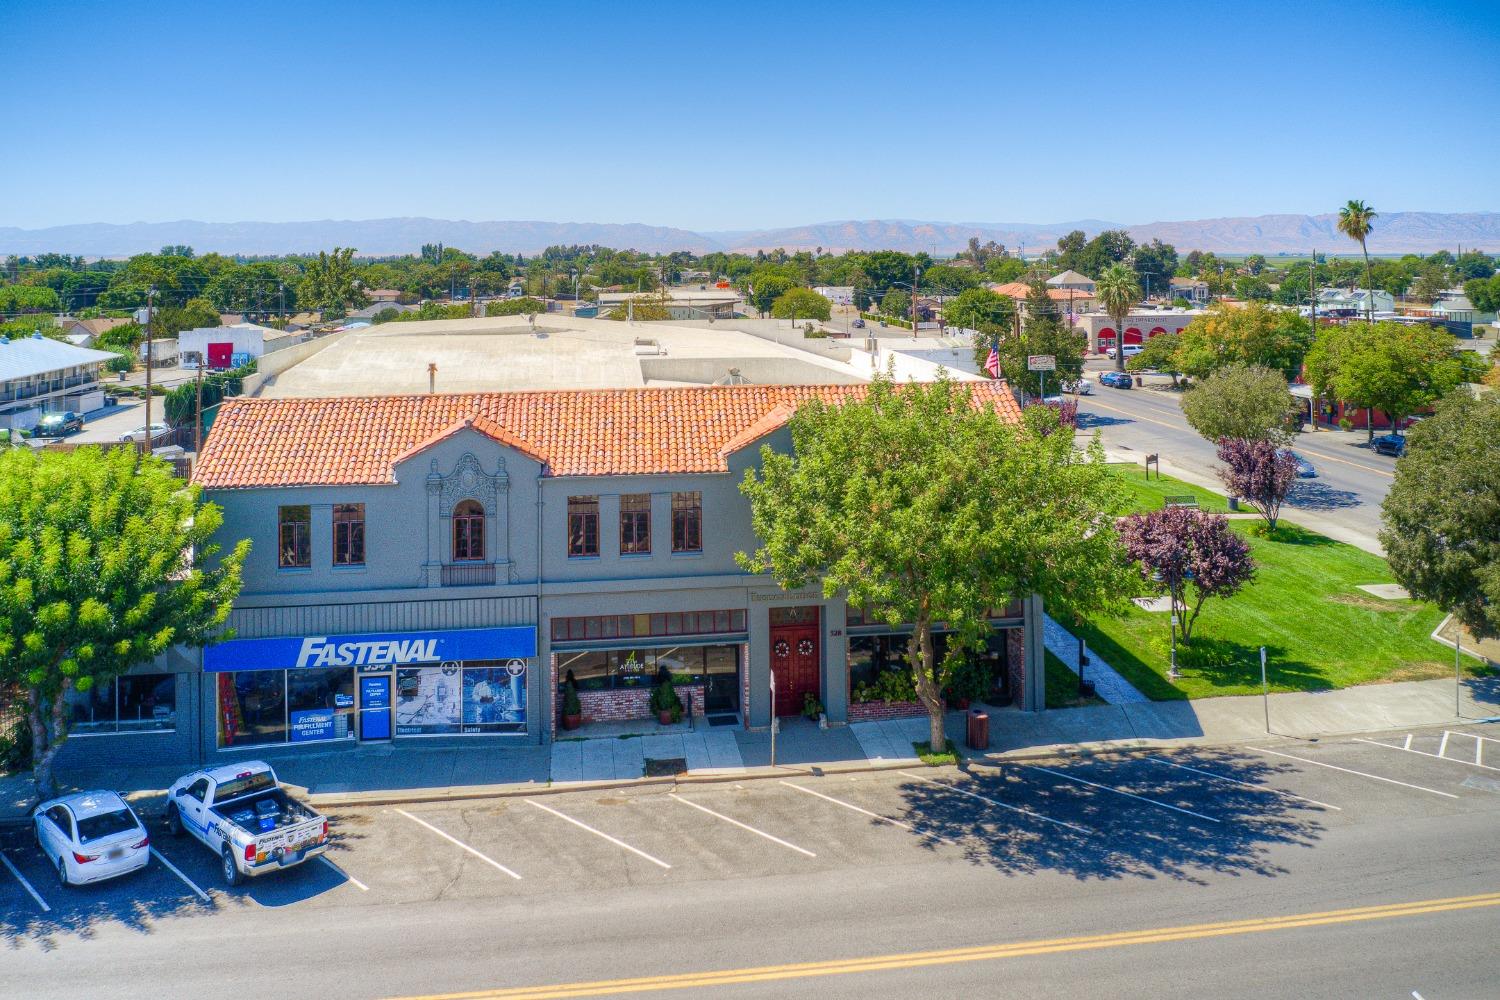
434 567
697 302
1139 326
839 295
223 347
39 375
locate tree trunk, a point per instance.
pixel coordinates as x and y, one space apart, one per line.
45 742
924 659
1119 342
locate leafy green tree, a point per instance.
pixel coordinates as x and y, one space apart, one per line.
1431 283
1042 333
28 298
106 561
169 321
1118 293
1252 288
766 287
523 306
945 279
1158 354
957 511
648 308
1484 293
1154 265
1005 269
1442 515
896 303
1243 402
1389 367
1252 335
329 283
977 307
1356 219
801 303
1473 264
1255 264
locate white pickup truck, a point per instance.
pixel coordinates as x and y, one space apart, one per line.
242 814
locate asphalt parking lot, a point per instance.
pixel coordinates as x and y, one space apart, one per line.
1149 813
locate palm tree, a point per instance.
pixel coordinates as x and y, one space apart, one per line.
1355 220
1118 291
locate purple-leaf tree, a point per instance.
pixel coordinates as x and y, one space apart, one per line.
1188 555
1259 473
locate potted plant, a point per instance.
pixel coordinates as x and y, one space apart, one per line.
572 708
664 700
812 708
969 680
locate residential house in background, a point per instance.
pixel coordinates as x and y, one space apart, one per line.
39 375
1352 302
1192 289
1068 303
839 295
1071 280
84 332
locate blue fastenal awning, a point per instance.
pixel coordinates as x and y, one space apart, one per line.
372 651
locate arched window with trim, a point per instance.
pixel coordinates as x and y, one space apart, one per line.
468 531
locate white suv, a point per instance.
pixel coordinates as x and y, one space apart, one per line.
1131 350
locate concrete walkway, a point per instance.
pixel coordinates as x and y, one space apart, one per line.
387 774
1108 684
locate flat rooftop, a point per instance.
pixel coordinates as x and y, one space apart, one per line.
505 354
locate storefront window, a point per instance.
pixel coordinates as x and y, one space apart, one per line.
133 703
92 711
320 704
252 708
623 669
147 702
484 696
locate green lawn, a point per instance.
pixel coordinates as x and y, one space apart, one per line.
1062 686
1320 632
1150 494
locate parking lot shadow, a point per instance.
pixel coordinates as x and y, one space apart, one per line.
1186 816
1088 421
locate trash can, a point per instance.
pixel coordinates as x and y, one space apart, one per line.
979 729
1234 503
1139 381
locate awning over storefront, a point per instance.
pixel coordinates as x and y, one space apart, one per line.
371 652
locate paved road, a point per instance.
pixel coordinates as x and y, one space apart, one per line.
1352 481
1084 878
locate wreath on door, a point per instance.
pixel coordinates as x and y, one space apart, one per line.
805 647
782 647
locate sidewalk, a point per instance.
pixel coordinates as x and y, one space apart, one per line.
385 774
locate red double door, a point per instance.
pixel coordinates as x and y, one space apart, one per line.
795 664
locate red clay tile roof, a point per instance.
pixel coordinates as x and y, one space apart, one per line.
603 432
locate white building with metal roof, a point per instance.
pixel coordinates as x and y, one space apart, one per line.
40 375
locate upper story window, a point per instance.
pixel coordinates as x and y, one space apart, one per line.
687 522
635 523
294 536
348 534
468 531
583 526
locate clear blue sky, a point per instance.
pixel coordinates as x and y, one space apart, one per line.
744 115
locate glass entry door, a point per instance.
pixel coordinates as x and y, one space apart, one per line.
375 707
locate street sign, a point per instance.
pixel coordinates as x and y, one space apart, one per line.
1041 362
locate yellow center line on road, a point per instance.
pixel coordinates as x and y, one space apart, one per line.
982 953
1178 427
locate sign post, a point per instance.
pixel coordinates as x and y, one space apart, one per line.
1265 689
1042 364
773 717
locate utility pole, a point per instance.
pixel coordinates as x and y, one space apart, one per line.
150 323
916 279
281 290
198 414
1312 300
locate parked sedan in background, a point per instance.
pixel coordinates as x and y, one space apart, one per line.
90 837
1390 444
139 434
1078 387
1115 380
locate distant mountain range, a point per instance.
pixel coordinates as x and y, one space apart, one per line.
1395 232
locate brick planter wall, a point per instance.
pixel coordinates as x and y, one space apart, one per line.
633 703
878 711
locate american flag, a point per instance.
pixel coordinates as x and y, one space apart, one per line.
992 363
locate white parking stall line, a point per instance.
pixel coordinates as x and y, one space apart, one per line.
1407 744
1121 791
357 883
1346 770
1443 745
25 884
1246 784
1434 756
743 826
178 872
875 816
600 833
993 802
459 843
